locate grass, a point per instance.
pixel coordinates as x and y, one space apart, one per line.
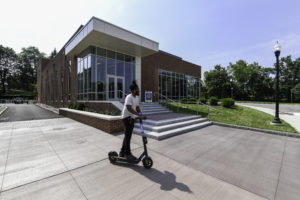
239 115
20 92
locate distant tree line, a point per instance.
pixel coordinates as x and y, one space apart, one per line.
243 81
18 71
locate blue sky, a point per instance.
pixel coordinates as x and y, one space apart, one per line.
200 31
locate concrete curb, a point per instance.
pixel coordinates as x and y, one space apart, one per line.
5 108
44 107
259 130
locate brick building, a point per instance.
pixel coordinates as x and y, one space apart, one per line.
100 61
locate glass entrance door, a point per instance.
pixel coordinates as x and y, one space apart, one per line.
116 88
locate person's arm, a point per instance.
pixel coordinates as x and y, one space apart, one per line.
138 109
129 108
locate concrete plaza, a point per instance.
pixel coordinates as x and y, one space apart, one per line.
63 159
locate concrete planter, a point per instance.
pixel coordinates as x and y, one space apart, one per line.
107 123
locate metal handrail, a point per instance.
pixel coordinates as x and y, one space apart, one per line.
209 108
124 94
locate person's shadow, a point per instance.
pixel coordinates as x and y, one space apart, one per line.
166 179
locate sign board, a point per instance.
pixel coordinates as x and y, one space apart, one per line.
148 96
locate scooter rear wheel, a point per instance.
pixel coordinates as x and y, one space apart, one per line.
147 162
112 156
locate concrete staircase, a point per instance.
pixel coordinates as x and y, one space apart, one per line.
151 108
169 127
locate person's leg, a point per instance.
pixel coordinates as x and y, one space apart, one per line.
131 126
127 136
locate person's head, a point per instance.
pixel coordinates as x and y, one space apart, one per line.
134 88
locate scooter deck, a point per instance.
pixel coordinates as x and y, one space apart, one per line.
122 159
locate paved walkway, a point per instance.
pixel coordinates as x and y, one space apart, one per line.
292 118
60 158
284 108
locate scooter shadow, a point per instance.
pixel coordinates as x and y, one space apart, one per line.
166 179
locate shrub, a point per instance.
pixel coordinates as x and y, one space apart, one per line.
80 106
71 106
227 102
192 99
203 100
213 101
77 106
183 99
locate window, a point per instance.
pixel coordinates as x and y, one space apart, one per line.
93 66
111 68
175 86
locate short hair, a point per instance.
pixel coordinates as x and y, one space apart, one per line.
133 86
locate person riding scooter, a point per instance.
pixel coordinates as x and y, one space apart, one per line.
130 112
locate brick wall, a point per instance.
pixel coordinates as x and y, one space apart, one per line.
160 60
109 126
102 106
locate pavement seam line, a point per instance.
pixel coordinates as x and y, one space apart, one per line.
221 180
283 153
58 174
10 139
186 164
2 111
64 164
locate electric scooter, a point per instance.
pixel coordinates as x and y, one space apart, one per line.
147 161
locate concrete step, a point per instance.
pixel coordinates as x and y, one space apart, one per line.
156 112
170 121
171 125
173 132
151 106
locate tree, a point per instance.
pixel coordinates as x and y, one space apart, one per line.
296 91
252 82
217 82
28 64
289 76
8 63
53 53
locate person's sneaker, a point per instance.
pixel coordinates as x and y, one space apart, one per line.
131 157
121 154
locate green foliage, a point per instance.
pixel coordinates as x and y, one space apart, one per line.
77 106
192 99
183 99
239 115
8 63
227 102
296 89
217 82
289 76
203 100
213 101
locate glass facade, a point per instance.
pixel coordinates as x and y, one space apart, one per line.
176 86
103 74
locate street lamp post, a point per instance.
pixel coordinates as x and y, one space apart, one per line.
276 120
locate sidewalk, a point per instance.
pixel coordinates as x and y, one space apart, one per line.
60 158
292 118
47 107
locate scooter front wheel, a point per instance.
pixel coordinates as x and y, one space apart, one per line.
147 162
112 156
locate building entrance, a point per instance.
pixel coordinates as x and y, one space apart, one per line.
115 88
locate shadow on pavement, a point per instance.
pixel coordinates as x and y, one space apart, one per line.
166 179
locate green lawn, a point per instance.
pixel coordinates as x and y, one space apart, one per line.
239 115
20 92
